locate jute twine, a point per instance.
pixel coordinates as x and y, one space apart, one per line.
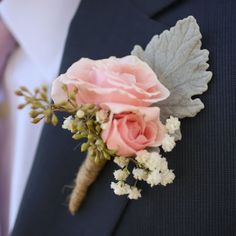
86 175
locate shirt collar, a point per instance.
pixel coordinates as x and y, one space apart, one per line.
40 27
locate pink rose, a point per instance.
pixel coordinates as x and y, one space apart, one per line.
131 129
126 80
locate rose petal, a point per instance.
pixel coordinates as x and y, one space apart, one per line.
125 80
58 94
149 113
115 142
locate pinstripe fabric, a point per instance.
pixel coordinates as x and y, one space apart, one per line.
202 200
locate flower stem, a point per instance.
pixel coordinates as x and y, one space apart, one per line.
86 175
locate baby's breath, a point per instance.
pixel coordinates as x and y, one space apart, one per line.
150 167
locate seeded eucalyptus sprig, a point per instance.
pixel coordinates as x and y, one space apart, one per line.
85 125
83 118
41 106
82 123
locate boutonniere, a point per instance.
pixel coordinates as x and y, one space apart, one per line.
127 110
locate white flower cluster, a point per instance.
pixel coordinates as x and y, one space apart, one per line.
67 124
172 126
150 167
121 174
122 188
121 161
154 169
168 143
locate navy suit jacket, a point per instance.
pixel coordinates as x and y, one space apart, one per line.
201 201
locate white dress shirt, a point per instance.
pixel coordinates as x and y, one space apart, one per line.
40 27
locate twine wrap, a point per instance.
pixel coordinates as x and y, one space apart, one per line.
86 175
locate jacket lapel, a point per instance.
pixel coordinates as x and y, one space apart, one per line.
152 7
99 29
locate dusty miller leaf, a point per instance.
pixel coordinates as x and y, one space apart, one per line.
180 64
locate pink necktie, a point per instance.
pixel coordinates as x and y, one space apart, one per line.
7 46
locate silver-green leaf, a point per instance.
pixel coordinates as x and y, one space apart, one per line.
181 65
